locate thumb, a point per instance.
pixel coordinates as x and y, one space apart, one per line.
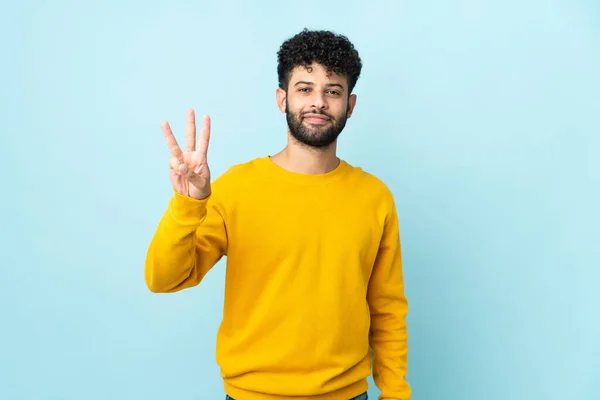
193 176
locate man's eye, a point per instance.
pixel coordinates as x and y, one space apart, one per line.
304 89
333 92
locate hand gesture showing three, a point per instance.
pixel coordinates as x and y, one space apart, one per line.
188 169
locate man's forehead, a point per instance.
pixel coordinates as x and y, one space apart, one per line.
313 71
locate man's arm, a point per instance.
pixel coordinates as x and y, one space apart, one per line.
189 240
191 236
389 308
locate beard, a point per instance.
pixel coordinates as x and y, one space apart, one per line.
317 137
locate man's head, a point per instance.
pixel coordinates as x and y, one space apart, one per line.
317 72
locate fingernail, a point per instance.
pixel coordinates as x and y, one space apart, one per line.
183 169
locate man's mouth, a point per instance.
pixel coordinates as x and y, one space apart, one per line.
316 118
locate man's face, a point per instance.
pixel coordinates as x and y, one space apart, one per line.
317 105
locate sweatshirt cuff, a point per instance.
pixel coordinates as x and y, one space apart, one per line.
187 210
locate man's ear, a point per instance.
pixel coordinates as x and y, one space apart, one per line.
351 105
281 95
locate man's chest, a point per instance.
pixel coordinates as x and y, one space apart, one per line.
313 225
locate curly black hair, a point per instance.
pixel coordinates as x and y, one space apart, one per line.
333 51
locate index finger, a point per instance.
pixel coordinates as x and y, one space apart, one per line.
204 136
171 141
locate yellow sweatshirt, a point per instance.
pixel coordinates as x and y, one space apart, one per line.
314 284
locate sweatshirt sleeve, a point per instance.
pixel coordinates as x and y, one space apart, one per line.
389 308
189 240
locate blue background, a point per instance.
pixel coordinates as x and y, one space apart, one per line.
481 116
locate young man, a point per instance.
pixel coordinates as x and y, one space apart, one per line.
314 293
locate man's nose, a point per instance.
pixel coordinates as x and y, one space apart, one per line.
319 101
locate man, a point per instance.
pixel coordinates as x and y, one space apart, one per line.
314 293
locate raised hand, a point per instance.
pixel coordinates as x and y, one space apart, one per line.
188 169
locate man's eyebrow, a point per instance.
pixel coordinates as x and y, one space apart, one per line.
311 84
335 85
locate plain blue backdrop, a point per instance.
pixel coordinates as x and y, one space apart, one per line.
481 116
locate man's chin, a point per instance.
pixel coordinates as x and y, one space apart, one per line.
315 140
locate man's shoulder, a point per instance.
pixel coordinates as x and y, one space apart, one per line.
370 181
241 170
236 180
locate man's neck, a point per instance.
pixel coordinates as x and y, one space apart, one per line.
299 158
